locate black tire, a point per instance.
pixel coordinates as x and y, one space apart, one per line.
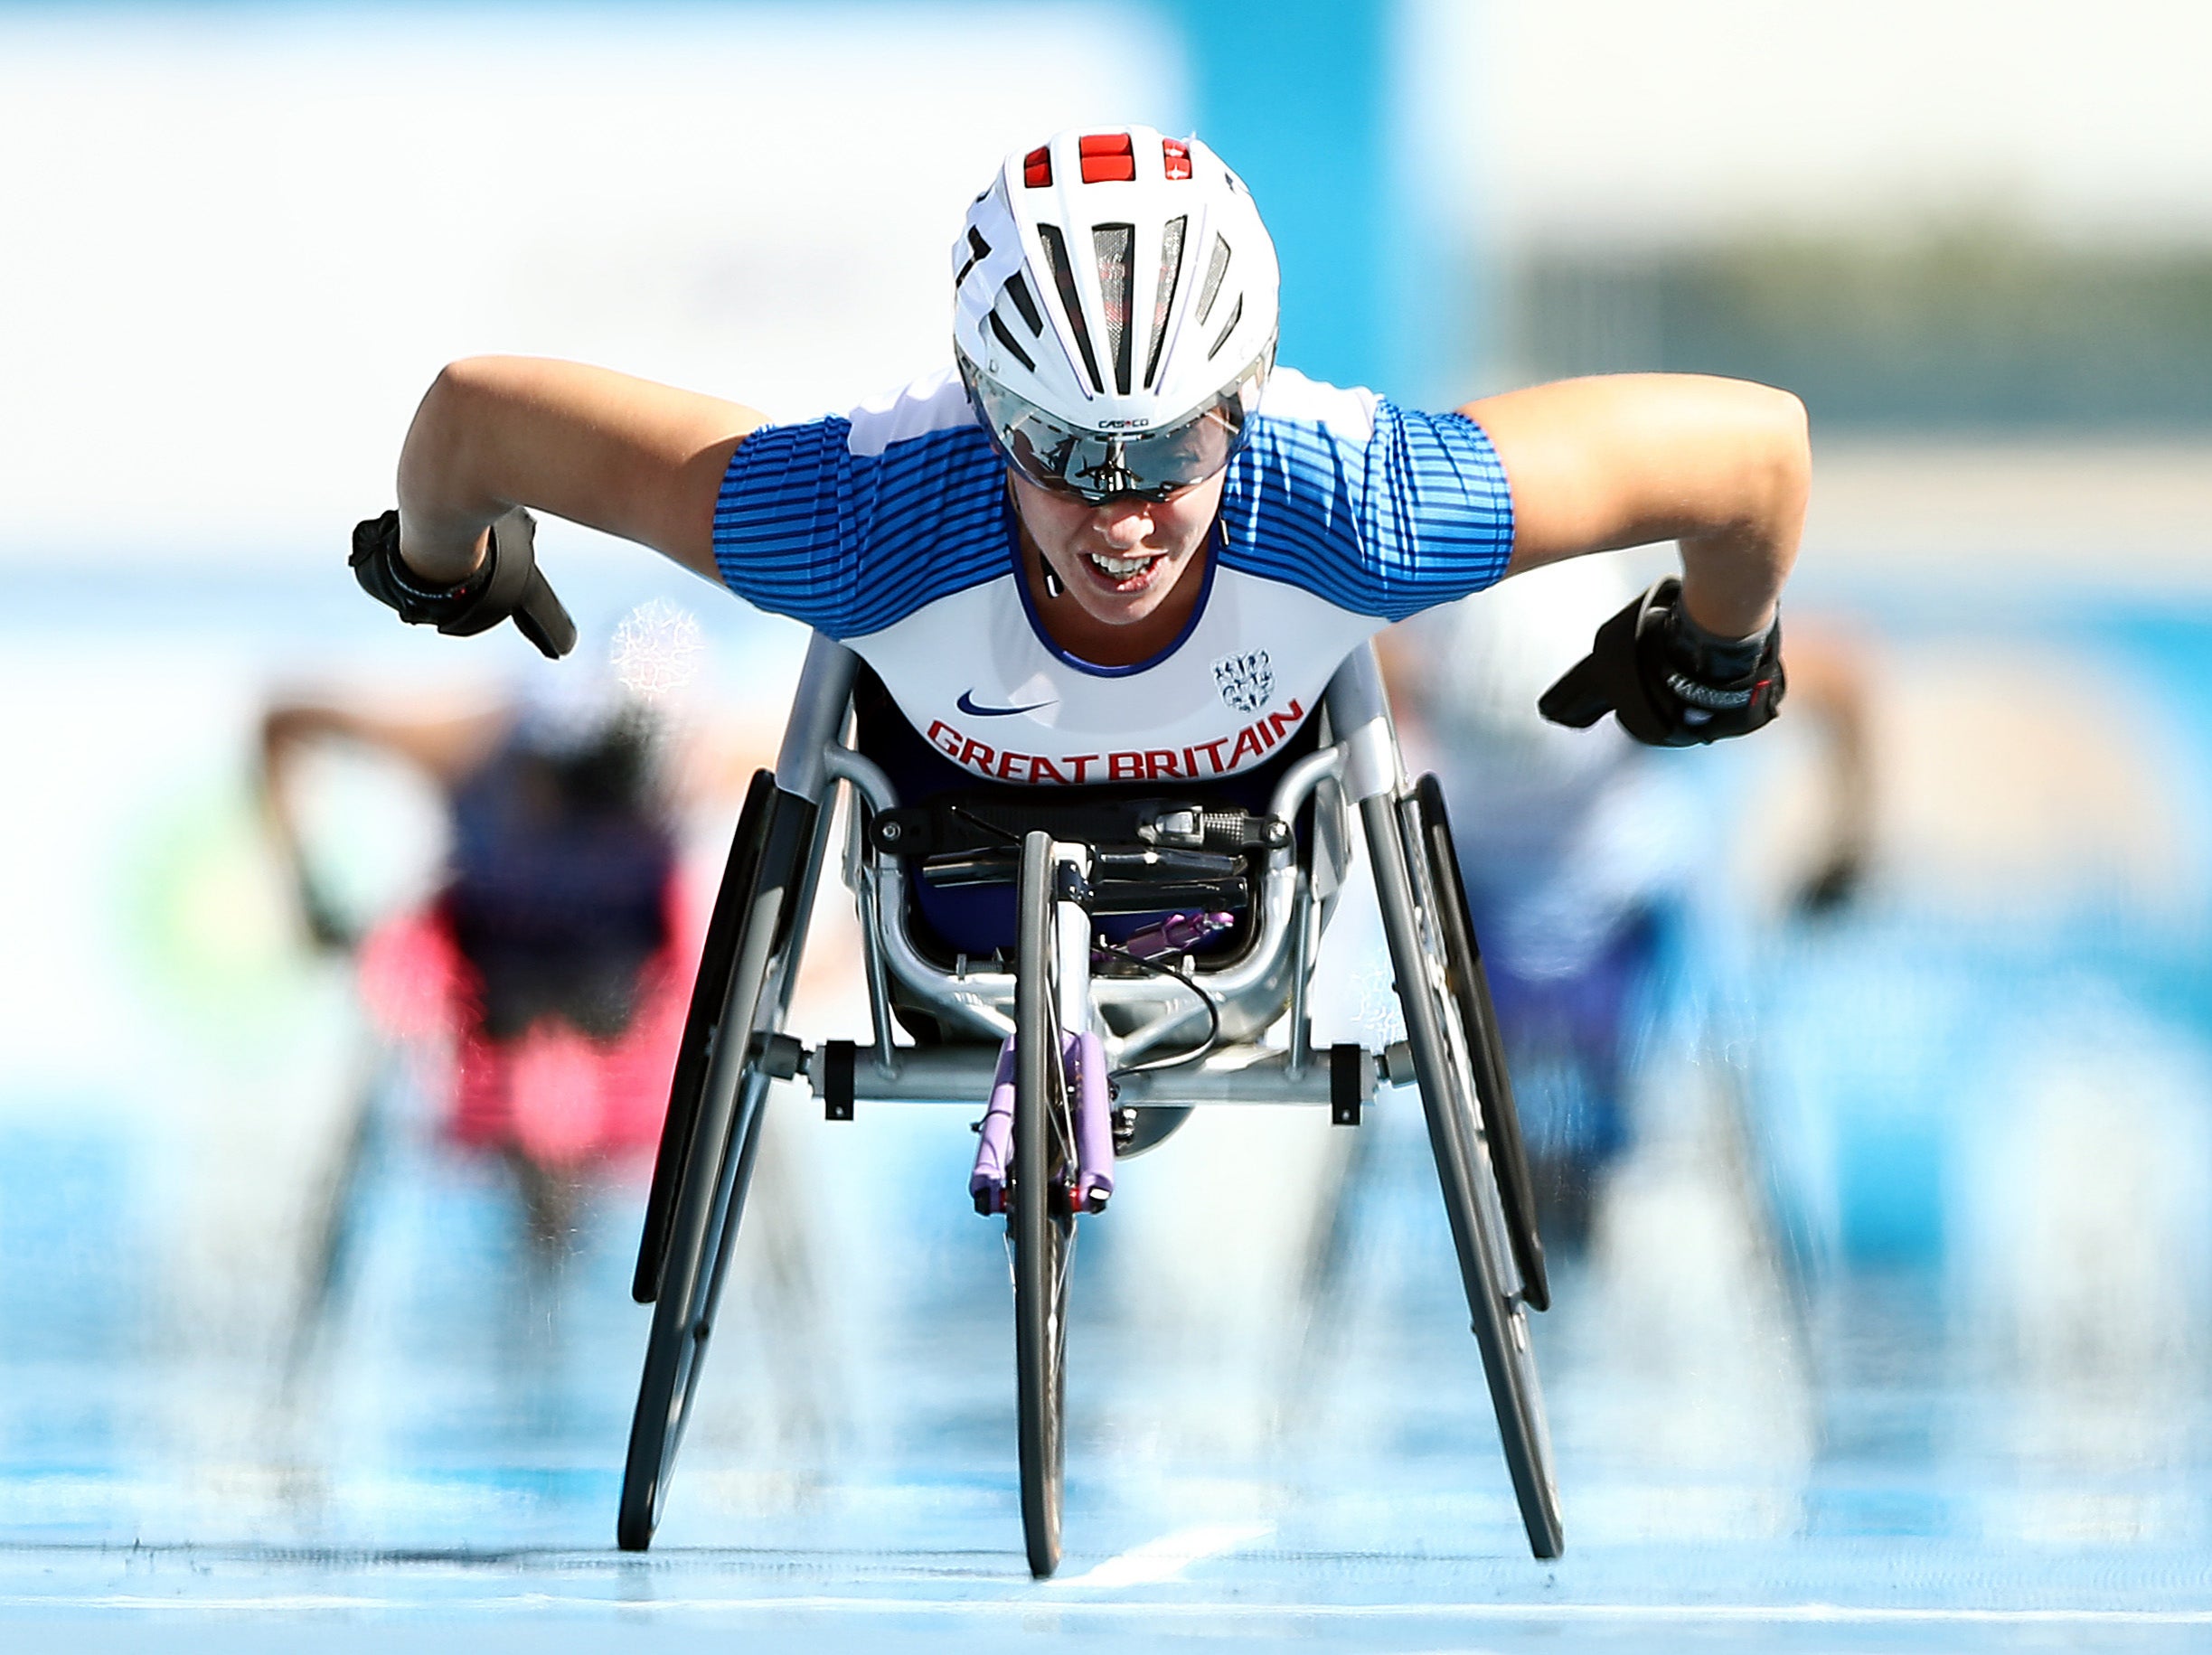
1478 1018
1444 1069
764 902
1041 1218
710 989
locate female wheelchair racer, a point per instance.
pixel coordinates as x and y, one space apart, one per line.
1058 1025
1122 567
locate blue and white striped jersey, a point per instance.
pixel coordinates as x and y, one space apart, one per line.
891 530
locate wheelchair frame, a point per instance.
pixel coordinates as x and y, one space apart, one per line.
1452 1053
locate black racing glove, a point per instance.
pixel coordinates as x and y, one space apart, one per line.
1670 681
507 585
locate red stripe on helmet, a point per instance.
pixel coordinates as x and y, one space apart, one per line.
1109 157
1176 153
1037 168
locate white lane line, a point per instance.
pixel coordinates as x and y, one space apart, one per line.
1169 1556
1030 1601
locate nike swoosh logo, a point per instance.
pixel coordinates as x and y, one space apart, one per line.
966 704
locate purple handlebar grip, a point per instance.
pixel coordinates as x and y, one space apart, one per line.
1177 934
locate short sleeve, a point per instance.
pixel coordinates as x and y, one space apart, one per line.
847 537
1380 509
787 530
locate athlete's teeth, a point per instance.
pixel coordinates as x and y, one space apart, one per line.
1122 567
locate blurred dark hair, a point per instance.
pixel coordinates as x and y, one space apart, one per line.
613 771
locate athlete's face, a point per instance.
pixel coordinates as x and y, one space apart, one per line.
1119 561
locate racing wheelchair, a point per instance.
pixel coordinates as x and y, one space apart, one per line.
1084 1030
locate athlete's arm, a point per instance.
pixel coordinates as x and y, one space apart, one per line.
634 459
1720 465
444 746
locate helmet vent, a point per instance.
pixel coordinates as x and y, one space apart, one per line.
1111 243
1108 157
1171 274
1071 300
1005 336
1018 291
1216 268
1227 327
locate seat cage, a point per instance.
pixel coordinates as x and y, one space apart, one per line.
1140 1015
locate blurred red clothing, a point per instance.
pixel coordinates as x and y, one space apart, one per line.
554 1095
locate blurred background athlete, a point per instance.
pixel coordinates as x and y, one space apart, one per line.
543 985
1579 848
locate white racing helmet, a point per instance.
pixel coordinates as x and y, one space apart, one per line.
1115 311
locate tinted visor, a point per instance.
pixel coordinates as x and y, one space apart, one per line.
1097 466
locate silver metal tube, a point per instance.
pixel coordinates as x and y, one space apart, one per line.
867 780
817 714
1301 969
1359 721
879 978
1071 944
1302 779
865 775
1165 1023
1299 783
1241 1074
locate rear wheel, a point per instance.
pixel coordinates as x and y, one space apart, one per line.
710 991
1469 986
1482 1234
1040 1219
715 1111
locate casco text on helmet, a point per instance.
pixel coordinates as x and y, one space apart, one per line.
1116 279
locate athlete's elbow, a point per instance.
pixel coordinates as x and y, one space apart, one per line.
1777 452
458 415
1790 436
466 382
441 412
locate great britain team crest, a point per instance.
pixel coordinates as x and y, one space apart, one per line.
1246 681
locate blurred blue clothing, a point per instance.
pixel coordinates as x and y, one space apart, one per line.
1572 843
559 877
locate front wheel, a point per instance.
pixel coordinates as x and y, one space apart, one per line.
1040 1216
